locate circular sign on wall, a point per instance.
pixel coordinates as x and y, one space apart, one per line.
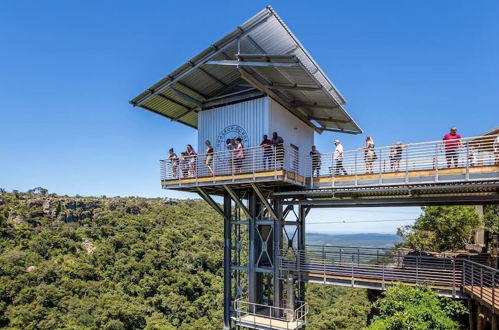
231 132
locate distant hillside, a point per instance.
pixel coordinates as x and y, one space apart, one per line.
366 240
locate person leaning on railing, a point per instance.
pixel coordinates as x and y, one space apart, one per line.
452 144
173 158
266 144
278 143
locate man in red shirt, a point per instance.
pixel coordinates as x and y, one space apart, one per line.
452 143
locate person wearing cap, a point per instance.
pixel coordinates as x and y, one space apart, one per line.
452 143
338 158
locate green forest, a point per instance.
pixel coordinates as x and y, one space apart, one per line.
136 263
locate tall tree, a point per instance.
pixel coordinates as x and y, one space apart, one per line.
441 228
405 307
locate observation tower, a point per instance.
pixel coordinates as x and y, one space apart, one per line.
259 79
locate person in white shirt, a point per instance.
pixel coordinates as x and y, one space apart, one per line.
496 149
338 158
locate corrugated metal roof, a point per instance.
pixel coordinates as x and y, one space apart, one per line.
304 88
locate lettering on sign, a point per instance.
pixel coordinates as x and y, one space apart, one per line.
231 132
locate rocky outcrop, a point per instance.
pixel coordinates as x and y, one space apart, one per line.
16 218
89 247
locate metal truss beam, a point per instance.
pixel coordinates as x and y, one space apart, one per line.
261 87
253 63
187 98
264 200
204 195
404 201
237 200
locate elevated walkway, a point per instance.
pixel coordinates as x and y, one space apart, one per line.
429 167
456 276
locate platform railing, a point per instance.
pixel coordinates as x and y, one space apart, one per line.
482 282
231 163
402 159
272 316
384 266
414 162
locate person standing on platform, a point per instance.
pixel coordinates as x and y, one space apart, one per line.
209 157
369 155
239 156
266 144
173 158
452 143
397 156
192 157
338 158
231 146
315 155
278 143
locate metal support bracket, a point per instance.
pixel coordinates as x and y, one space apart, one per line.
264 200
236 199
204 195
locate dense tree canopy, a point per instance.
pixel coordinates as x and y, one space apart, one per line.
441 228
405 307
126 263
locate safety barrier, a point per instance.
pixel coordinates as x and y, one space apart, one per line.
466 159
259 316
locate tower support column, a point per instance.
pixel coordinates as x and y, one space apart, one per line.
227 261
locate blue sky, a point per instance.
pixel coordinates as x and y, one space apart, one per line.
408 69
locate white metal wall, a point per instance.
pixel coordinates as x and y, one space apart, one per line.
293 130
248 120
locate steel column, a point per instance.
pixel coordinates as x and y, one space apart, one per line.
277 237
227 261
302 213
252 246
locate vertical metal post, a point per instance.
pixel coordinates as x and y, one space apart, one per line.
355 169
277 245
453 278
436 162
227 260
301 246
407 164
467 161
252 291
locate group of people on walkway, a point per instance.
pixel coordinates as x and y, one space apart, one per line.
186 164
370 157
272 156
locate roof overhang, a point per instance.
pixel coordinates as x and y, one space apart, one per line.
260 57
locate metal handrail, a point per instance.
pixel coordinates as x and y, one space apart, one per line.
243 307
424 159
457 274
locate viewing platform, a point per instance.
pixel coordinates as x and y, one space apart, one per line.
474 161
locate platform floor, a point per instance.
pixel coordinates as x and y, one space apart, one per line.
486 295
262 322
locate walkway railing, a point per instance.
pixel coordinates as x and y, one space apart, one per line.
425 160
260 315
356 266
482 282
254 160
